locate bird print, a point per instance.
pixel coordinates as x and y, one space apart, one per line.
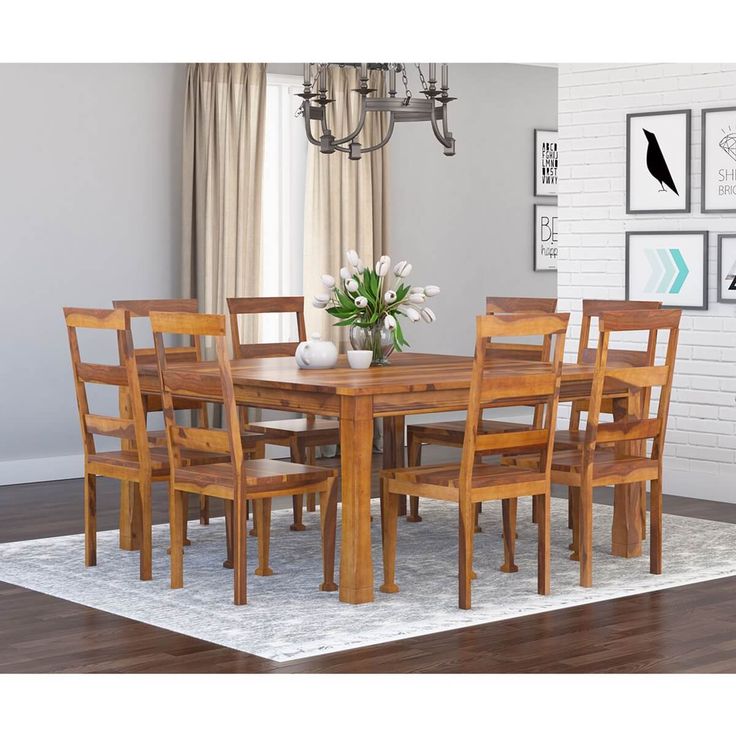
657 165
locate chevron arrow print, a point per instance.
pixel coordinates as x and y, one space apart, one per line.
732 276
668 271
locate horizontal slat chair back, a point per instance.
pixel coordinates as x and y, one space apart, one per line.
535 383
637 379
124 375
515 305
259 305
204 439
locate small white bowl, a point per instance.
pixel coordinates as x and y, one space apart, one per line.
360 359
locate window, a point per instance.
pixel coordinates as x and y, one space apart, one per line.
284 175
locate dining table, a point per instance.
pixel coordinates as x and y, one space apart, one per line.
413 383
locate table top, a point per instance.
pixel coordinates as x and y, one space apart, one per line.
407 372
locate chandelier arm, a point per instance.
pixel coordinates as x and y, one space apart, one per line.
385 139
358 128
435 128
308 124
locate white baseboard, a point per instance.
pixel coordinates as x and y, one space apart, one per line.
38 469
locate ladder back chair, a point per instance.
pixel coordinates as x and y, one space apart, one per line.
572 438
142 462
141 309
301 435
452 433
493 385
236 480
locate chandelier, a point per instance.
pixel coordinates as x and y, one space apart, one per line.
432 108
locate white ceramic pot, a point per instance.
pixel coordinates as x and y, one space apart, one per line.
316 353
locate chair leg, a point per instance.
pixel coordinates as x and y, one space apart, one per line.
90 520
228 563
643 509
655 533
185 519
476 517
176 511
508 507
311 497
328 521
263 509
570 510
543 545
240 541
204 510
297 456
254 528
465 553
389 530
414 457
146 551
535 510
574 493
585 534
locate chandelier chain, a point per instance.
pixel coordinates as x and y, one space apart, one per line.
421 76
405 80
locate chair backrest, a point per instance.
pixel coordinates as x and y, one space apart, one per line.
204 439
517 305
265 305
497 385
640 380
122 375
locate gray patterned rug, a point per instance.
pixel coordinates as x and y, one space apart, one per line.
287 617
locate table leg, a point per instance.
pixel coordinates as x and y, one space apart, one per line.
356 447
130 507
626 533
393 449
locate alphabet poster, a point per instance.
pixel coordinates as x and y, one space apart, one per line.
718 177
545 163
545 237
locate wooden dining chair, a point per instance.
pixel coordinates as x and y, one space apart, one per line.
573 437
472 481
141 462
614 452
452 433
303 434
236 480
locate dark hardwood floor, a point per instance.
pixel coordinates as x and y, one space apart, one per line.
687 629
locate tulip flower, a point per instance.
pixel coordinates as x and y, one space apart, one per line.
416 290
383 265
351 285
345 273
402 269
389 297
431 290
361 302
353 257
322 298
417 298
389 322
360 267
428 315
328 281
412 314
318 304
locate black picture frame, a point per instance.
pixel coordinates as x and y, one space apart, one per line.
535 162
534 238
704 235
731 236
704 159
688 139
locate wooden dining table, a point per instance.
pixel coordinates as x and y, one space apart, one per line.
414 383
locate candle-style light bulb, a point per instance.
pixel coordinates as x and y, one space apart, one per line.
323 78
364 71
392 79
445 83
432 73
307 75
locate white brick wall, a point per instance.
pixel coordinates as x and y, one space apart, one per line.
594 100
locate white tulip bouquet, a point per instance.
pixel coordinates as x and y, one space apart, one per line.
375 299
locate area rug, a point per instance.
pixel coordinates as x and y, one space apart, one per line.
287 617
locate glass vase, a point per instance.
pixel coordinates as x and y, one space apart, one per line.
376 338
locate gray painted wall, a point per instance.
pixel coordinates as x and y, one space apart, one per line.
465 222
90 170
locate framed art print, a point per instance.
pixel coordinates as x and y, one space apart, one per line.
545 163
658 162
671 267
545 237
718 171
727 268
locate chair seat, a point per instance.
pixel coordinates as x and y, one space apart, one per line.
454 432
313 430
608 468
250 439
570 439
128 459
260 475
484 475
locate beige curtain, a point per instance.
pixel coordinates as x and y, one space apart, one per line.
345 201
224 119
